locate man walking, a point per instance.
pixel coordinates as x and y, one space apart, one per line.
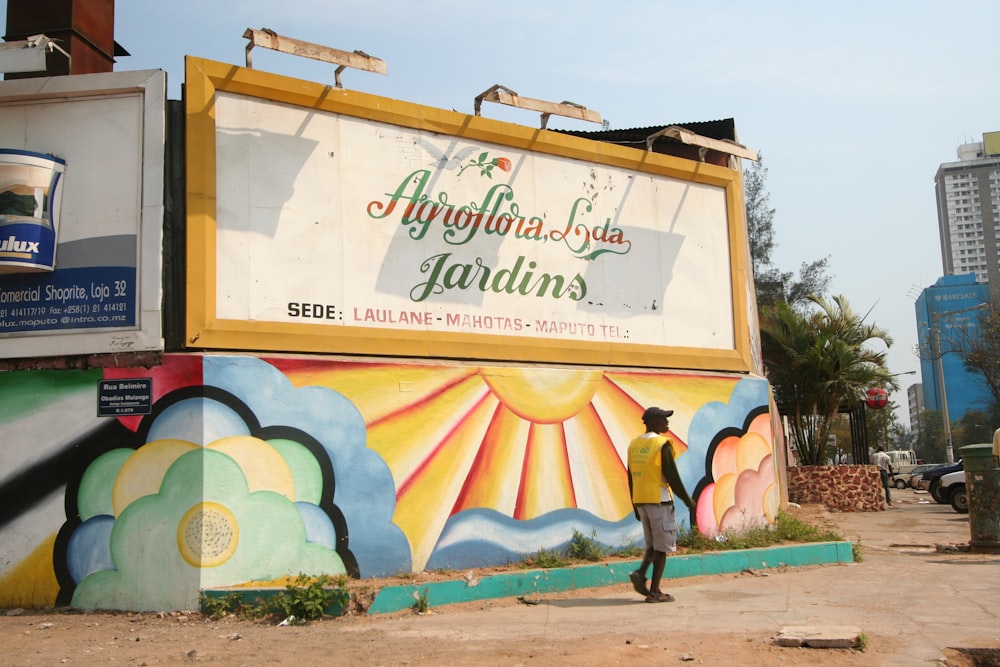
654 482
884 464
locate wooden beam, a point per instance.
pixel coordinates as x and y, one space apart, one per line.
269 39
686 136
502 95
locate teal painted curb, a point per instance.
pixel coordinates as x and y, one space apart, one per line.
526 582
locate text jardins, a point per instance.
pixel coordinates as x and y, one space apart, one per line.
499 215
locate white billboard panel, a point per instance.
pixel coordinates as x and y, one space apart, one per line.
334 220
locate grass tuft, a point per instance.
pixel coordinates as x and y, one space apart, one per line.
786 528
582 547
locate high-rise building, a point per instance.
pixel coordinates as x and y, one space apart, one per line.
947 315
968 203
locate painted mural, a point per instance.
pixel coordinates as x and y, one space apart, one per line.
248 470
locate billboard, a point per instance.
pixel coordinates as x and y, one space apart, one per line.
991 143
327 220
81 213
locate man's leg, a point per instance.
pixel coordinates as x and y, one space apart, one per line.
663 529
659 563
638 577
647 560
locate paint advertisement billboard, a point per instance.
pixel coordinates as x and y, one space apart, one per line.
334 221
81 213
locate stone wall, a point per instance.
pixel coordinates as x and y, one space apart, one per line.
847 488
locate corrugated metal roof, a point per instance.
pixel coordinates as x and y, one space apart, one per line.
714 129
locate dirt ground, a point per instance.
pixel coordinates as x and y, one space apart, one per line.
155 639
405 638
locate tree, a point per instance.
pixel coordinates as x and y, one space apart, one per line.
979 349
972 428
760 217
929 444
813 279
772 284
818 363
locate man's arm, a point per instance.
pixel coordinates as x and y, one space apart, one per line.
672 476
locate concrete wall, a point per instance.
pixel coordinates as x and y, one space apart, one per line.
251 469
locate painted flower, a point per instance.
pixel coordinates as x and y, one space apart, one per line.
179 517
485 164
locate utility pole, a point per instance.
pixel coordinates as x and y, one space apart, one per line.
949 452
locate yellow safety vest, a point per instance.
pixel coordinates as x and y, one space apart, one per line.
646 467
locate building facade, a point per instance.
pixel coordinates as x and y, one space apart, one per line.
947 312
968 203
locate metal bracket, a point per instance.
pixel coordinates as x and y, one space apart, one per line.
269 39
503 95
28 55
704 144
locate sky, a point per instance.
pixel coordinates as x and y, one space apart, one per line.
852 105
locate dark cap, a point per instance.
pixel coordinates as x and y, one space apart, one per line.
652 413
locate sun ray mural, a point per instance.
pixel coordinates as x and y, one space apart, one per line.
503 454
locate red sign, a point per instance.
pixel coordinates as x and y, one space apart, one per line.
877 398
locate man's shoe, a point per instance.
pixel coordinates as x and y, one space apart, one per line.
638 583
659 597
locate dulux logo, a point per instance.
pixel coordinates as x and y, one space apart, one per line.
11 244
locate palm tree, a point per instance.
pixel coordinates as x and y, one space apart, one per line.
819 362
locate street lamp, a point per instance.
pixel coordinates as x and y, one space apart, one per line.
949 452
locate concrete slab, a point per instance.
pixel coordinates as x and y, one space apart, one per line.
834 636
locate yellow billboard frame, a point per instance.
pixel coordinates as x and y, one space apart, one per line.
204 330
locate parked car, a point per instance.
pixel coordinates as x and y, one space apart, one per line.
912 478
952 487
931 479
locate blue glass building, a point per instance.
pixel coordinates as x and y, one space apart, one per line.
951 307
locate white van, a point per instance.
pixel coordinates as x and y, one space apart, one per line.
903 460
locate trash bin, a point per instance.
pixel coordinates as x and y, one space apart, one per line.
982 484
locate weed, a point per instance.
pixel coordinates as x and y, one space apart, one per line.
863 642
308 597
422 605
545 558
856 552
630 549
252 612
786 528
582 547
217 607
222 606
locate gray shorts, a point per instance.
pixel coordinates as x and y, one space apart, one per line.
659 526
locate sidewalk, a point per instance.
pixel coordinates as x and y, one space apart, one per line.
912 597
912 602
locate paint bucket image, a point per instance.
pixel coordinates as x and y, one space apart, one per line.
30 201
